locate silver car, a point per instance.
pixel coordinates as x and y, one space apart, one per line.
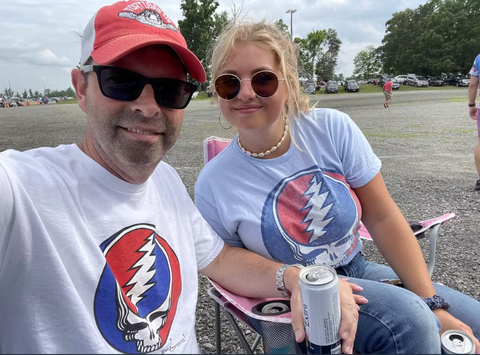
395 84
310 88
401 79
417 80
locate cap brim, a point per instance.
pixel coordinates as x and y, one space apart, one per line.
114 50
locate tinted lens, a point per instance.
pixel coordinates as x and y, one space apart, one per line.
265 83
227 86
172 93
120 84
125 85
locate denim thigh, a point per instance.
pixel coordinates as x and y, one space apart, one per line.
462 306
395 320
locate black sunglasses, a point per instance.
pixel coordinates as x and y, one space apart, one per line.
125 85
264 84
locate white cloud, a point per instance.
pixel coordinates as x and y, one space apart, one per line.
31 54
39 45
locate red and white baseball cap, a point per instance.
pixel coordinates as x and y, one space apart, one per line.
127 25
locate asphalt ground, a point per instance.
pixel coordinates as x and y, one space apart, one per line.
425 141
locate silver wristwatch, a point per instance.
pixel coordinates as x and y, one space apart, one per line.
280 278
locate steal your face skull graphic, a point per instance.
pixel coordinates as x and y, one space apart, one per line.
311 218
137 296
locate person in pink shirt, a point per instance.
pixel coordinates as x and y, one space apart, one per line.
387 91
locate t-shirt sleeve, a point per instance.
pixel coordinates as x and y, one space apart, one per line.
6 211
211 213
208 244
476 67
360 164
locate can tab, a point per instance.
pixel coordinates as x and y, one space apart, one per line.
322 276
458 343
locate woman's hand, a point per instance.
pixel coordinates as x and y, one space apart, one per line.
450 322
349 313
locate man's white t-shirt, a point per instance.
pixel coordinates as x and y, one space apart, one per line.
92 264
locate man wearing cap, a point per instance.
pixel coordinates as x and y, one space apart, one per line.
100 243
475 112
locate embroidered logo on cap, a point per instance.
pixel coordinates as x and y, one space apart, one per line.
149 14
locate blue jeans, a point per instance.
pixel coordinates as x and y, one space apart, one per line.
395 320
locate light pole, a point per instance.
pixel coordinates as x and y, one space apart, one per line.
291 11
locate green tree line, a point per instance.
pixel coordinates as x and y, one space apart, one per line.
9 93
440 36
201 26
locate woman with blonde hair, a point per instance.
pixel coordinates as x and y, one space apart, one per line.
293 186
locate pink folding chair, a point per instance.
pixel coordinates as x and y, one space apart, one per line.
240 307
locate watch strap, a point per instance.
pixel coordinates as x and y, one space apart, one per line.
471 105
280 279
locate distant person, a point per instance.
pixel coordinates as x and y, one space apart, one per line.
387 92
475 112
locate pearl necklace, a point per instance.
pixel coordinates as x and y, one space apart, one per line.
267 152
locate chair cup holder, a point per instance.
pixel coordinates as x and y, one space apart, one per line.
272 308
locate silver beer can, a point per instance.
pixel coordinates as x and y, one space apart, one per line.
321 309
457 342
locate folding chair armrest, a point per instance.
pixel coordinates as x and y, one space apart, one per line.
433 248
227 306
419 229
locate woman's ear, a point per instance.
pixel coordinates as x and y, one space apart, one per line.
79 82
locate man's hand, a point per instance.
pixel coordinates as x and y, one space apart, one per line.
348 306
473 112
349 310
472 93
450 322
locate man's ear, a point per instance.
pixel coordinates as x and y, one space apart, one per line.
80 85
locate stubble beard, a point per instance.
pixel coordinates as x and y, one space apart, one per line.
112 142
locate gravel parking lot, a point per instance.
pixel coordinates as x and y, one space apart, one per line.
425 141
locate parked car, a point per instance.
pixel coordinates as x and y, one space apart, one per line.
18 101
310 87
351 85
332 87
12 103
2 102
395 84
435 81
416 80
401 79
458 80
208 89
382 79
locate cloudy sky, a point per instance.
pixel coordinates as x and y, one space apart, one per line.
39 44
